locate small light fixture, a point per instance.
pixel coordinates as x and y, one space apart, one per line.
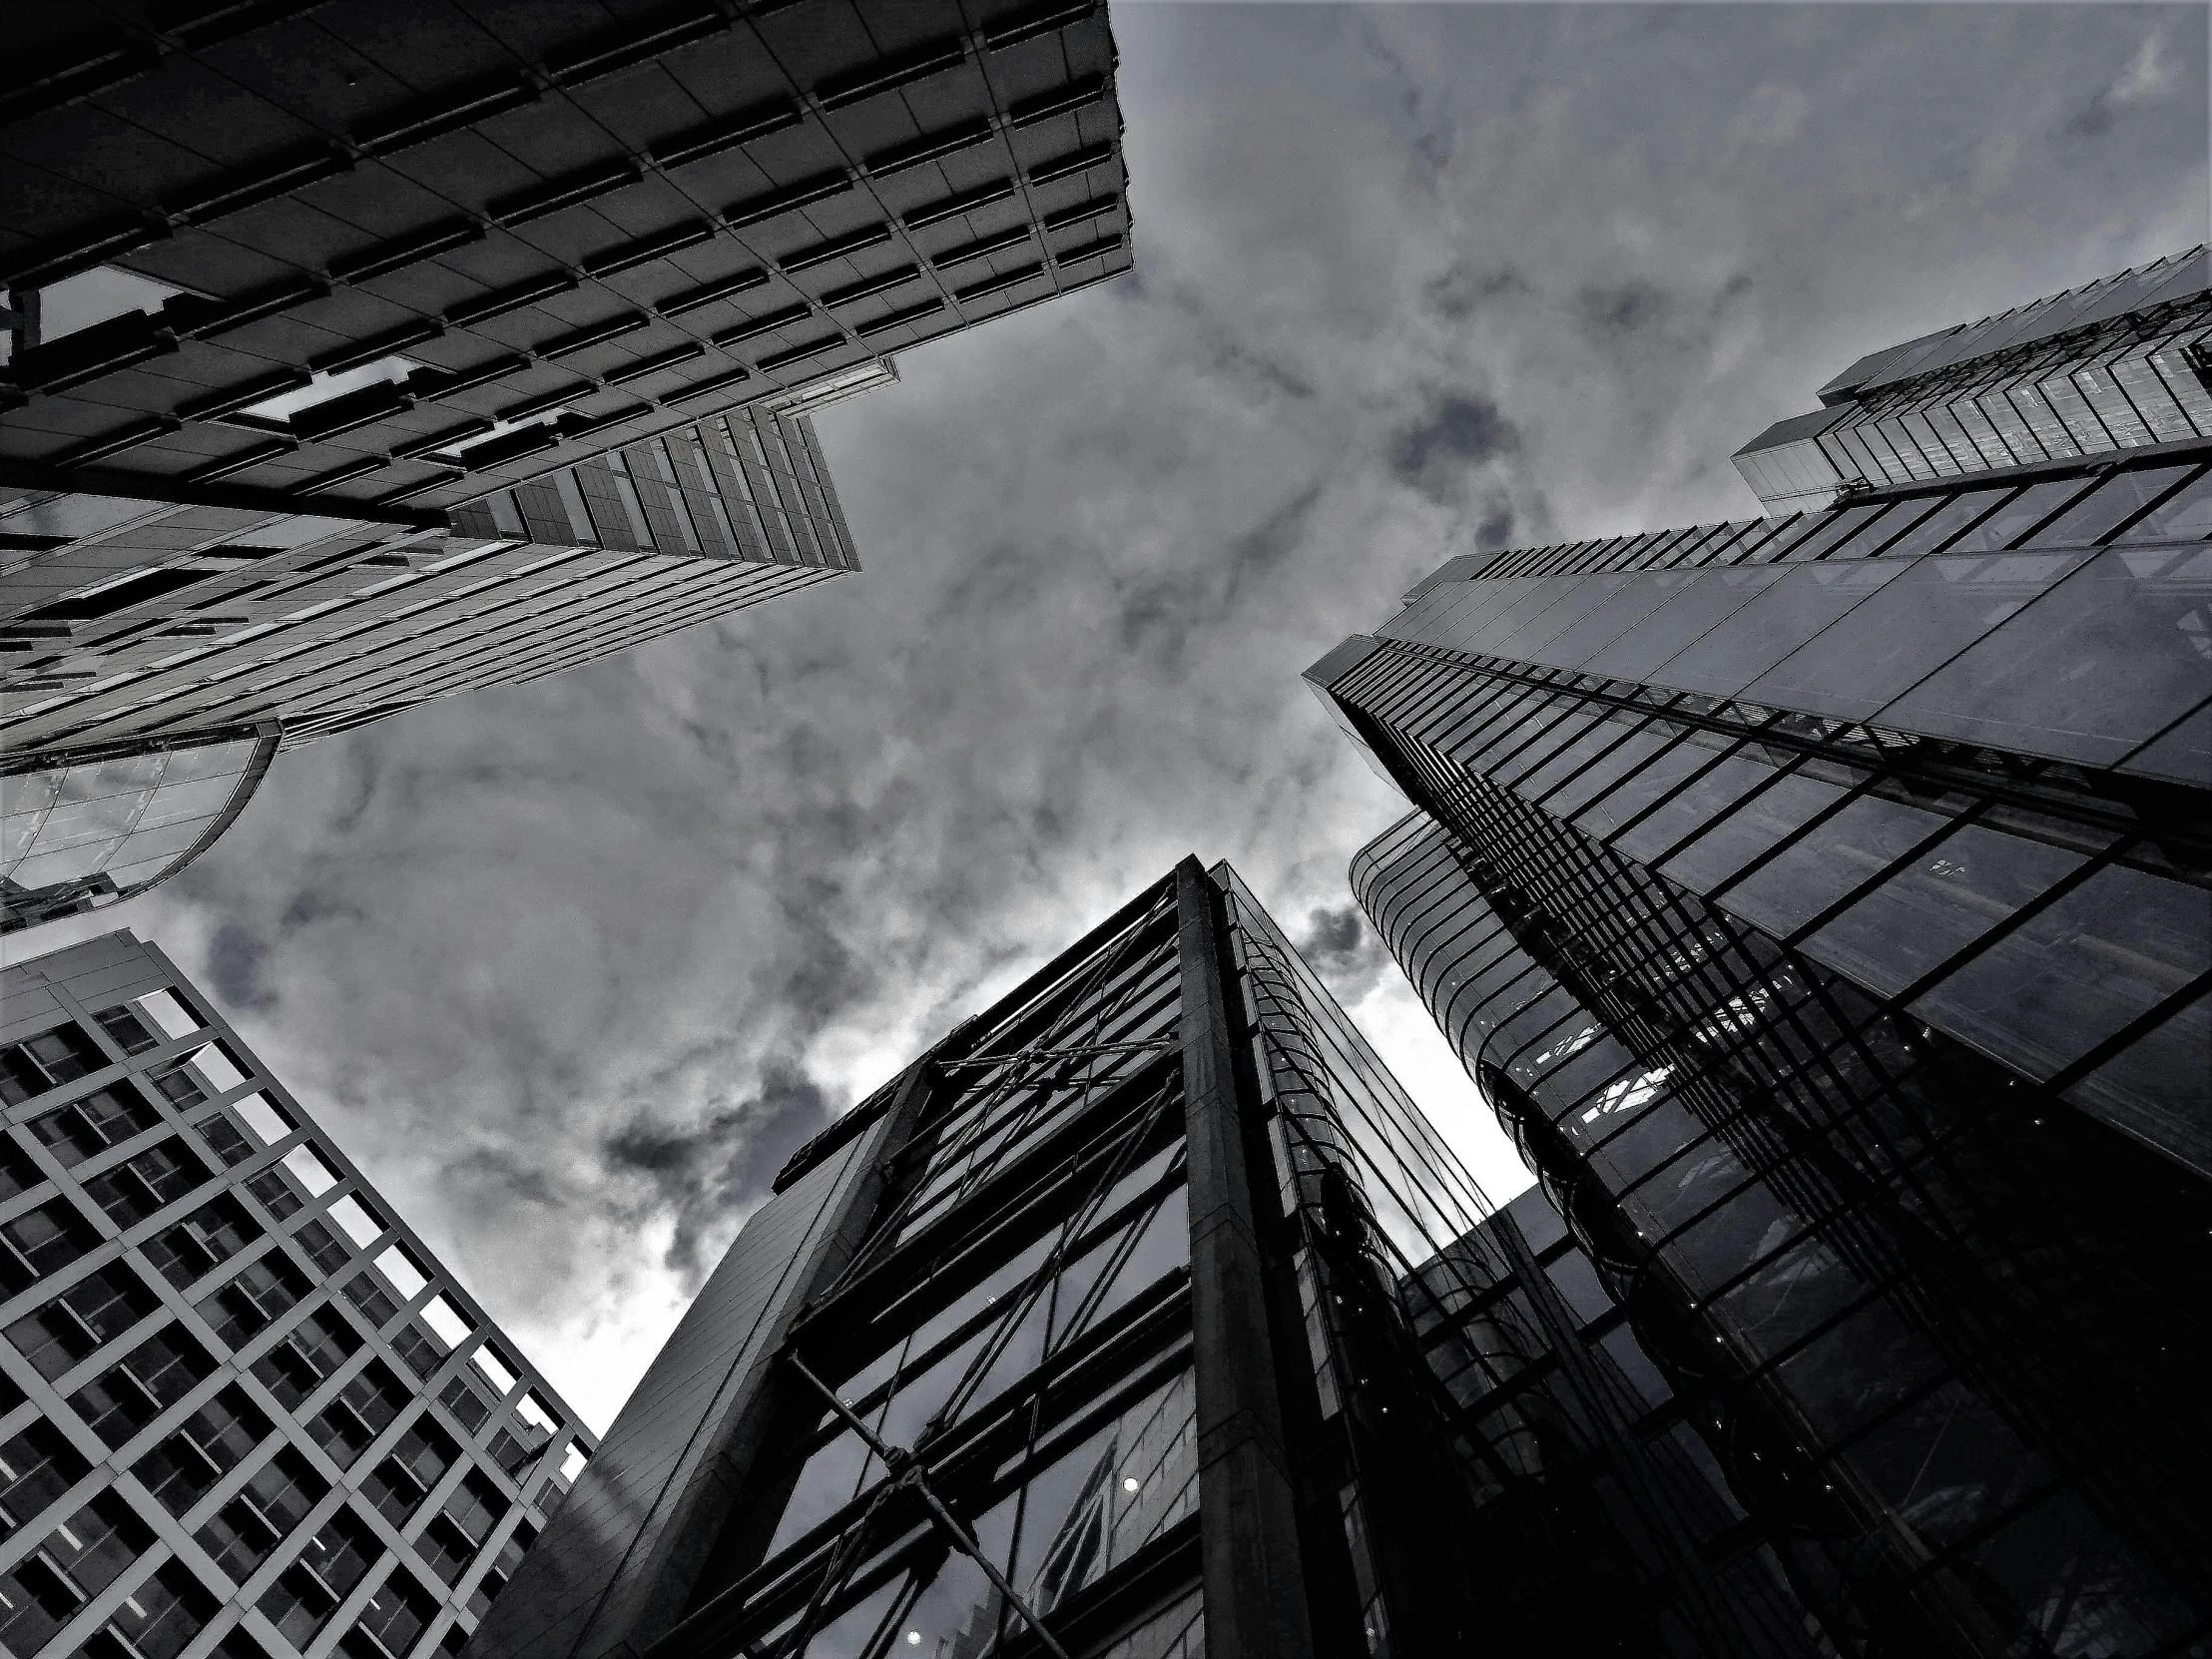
1129 1483
914 1638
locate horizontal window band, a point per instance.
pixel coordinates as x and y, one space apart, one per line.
255 390
871 286
896 319
1075 161
1074 95
982 196
344 474
1015 237
837 90
980 290
1092 209
562 193
767 323
822 186
377 261
702 388
548 400
705 295
597 334
241 460
138 432
441 440
799 354
874 235
438 383
379 346
898 159
510 300
1037 20
653 364
648 247
703 141
1089 250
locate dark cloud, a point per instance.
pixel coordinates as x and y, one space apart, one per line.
706 1175
568 967
235 957
1339 946
1461 430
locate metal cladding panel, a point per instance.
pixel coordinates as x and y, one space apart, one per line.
584 1587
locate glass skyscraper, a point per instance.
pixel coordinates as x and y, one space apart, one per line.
1824 903
244 1412
1145 1317
359 356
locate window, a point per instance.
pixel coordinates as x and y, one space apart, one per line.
309 1351
264 1290
210 1236
126 1029
224 1141
365 1294
503 1569
162 1614
18 1175
412 1346
149 1182
418 1459
465 1402
394 1617
87 1127
269 1508
364 1409
45 1061
41 1242
98 1308
207 1446
275 1194
323 1250
336 1559
156 1374
36 1467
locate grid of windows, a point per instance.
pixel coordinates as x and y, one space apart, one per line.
542 228
2120 366
241 1413
1862 1251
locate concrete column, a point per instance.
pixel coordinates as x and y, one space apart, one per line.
1247 1517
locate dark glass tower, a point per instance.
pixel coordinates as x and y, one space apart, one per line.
1143 1316
360 354
1825 904
243 1413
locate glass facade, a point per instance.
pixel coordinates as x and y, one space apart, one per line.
79 830
1824 906
2122 363
1145 1317
243 1414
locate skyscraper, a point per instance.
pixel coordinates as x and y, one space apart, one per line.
2114 365
244 1412
359 355
1823 904
1141 1317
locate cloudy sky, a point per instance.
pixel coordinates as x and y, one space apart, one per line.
570 969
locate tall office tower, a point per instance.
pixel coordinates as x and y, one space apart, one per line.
2125 363
364 354
1825 904
1142 1317
243 1413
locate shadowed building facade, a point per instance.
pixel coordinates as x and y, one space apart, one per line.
1145 1317
243 1413
360 354
1825 904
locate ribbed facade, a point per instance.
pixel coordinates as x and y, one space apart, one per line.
244 1412
2117 365
1825 906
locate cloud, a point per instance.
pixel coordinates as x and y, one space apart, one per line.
705 1174
568 967
2150 76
